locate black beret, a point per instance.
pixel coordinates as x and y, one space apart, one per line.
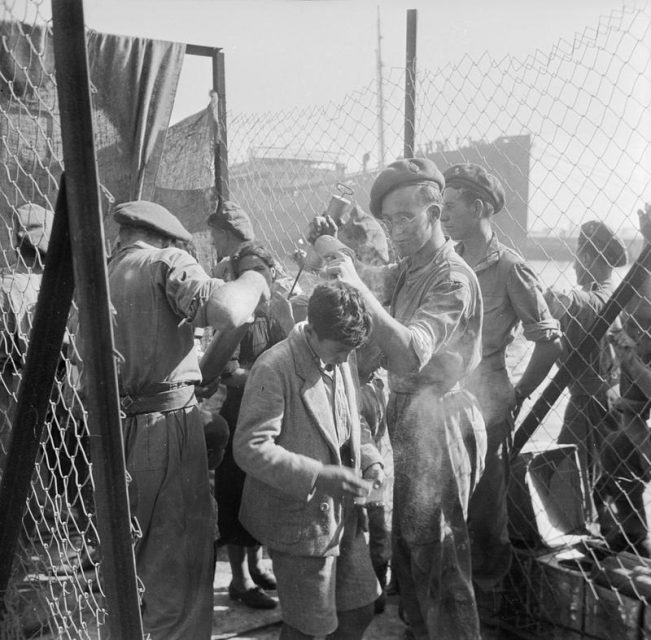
402 173
599 237
232 217
149 215
477 179
33 226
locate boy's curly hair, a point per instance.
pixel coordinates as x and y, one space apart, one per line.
336 311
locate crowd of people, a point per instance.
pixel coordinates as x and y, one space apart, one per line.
387 384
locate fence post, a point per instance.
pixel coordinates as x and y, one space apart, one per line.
98 353
43 353
221 138
410 83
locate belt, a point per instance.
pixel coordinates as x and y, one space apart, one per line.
440 389
494 362
169 400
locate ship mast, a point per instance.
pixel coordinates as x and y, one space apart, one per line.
380 94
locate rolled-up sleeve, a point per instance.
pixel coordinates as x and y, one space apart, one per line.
438 319
188 286
529 303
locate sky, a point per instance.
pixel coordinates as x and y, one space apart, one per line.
287 55
282 54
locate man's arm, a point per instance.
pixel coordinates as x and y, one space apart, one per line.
637 369
539 326
394 338
206 301
409 348
544 355
232 304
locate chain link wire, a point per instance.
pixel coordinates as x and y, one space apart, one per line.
567 132
55 589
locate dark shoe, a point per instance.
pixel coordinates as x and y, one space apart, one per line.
265 579
255 598
380 603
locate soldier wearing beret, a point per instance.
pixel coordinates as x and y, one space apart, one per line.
431 339
626 453
159 292
19 289
230 227
587 421
512 295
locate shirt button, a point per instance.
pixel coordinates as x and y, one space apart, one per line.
324 506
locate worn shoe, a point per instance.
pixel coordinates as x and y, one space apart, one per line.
255 597
265 579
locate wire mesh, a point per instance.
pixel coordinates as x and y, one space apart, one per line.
567 132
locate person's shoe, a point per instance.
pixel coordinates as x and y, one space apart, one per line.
255 597
380 603
264 579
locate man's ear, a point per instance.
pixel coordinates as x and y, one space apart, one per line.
434 211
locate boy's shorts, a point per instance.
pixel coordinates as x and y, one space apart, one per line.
311 589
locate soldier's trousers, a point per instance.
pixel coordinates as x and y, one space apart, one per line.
439 444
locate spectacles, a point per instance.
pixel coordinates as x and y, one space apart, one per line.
399 224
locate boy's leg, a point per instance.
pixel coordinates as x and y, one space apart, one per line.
290 633
306 591
353 623
357 587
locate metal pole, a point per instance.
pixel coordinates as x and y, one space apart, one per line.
98 352
43 353
221 135
410 83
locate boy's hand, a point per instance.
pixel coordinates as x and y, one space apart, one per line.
375 473
340 482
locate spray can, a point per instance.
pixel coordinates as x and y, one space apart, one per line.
338 207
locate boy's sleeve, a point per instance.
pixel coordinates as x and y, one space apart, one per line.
259 425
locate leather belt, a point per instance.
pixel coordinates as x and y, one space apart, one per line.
169 400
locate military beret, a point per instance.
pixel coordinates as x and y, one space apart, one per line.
477 179
403 173
231 217
599 237
33 226
149 215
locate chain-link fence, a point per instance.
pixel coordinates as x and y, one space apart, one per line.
55 586
57 583
567 132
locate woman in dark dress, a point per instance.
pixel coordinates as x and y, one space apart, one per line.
272 323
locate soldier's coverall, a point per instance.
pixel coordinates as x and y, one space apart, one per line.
153 291
587 421
439 443
511 294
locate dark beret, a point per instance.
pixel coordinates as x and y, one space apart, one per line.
231 217
149 215
402 173
33 226
599 237
478 180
